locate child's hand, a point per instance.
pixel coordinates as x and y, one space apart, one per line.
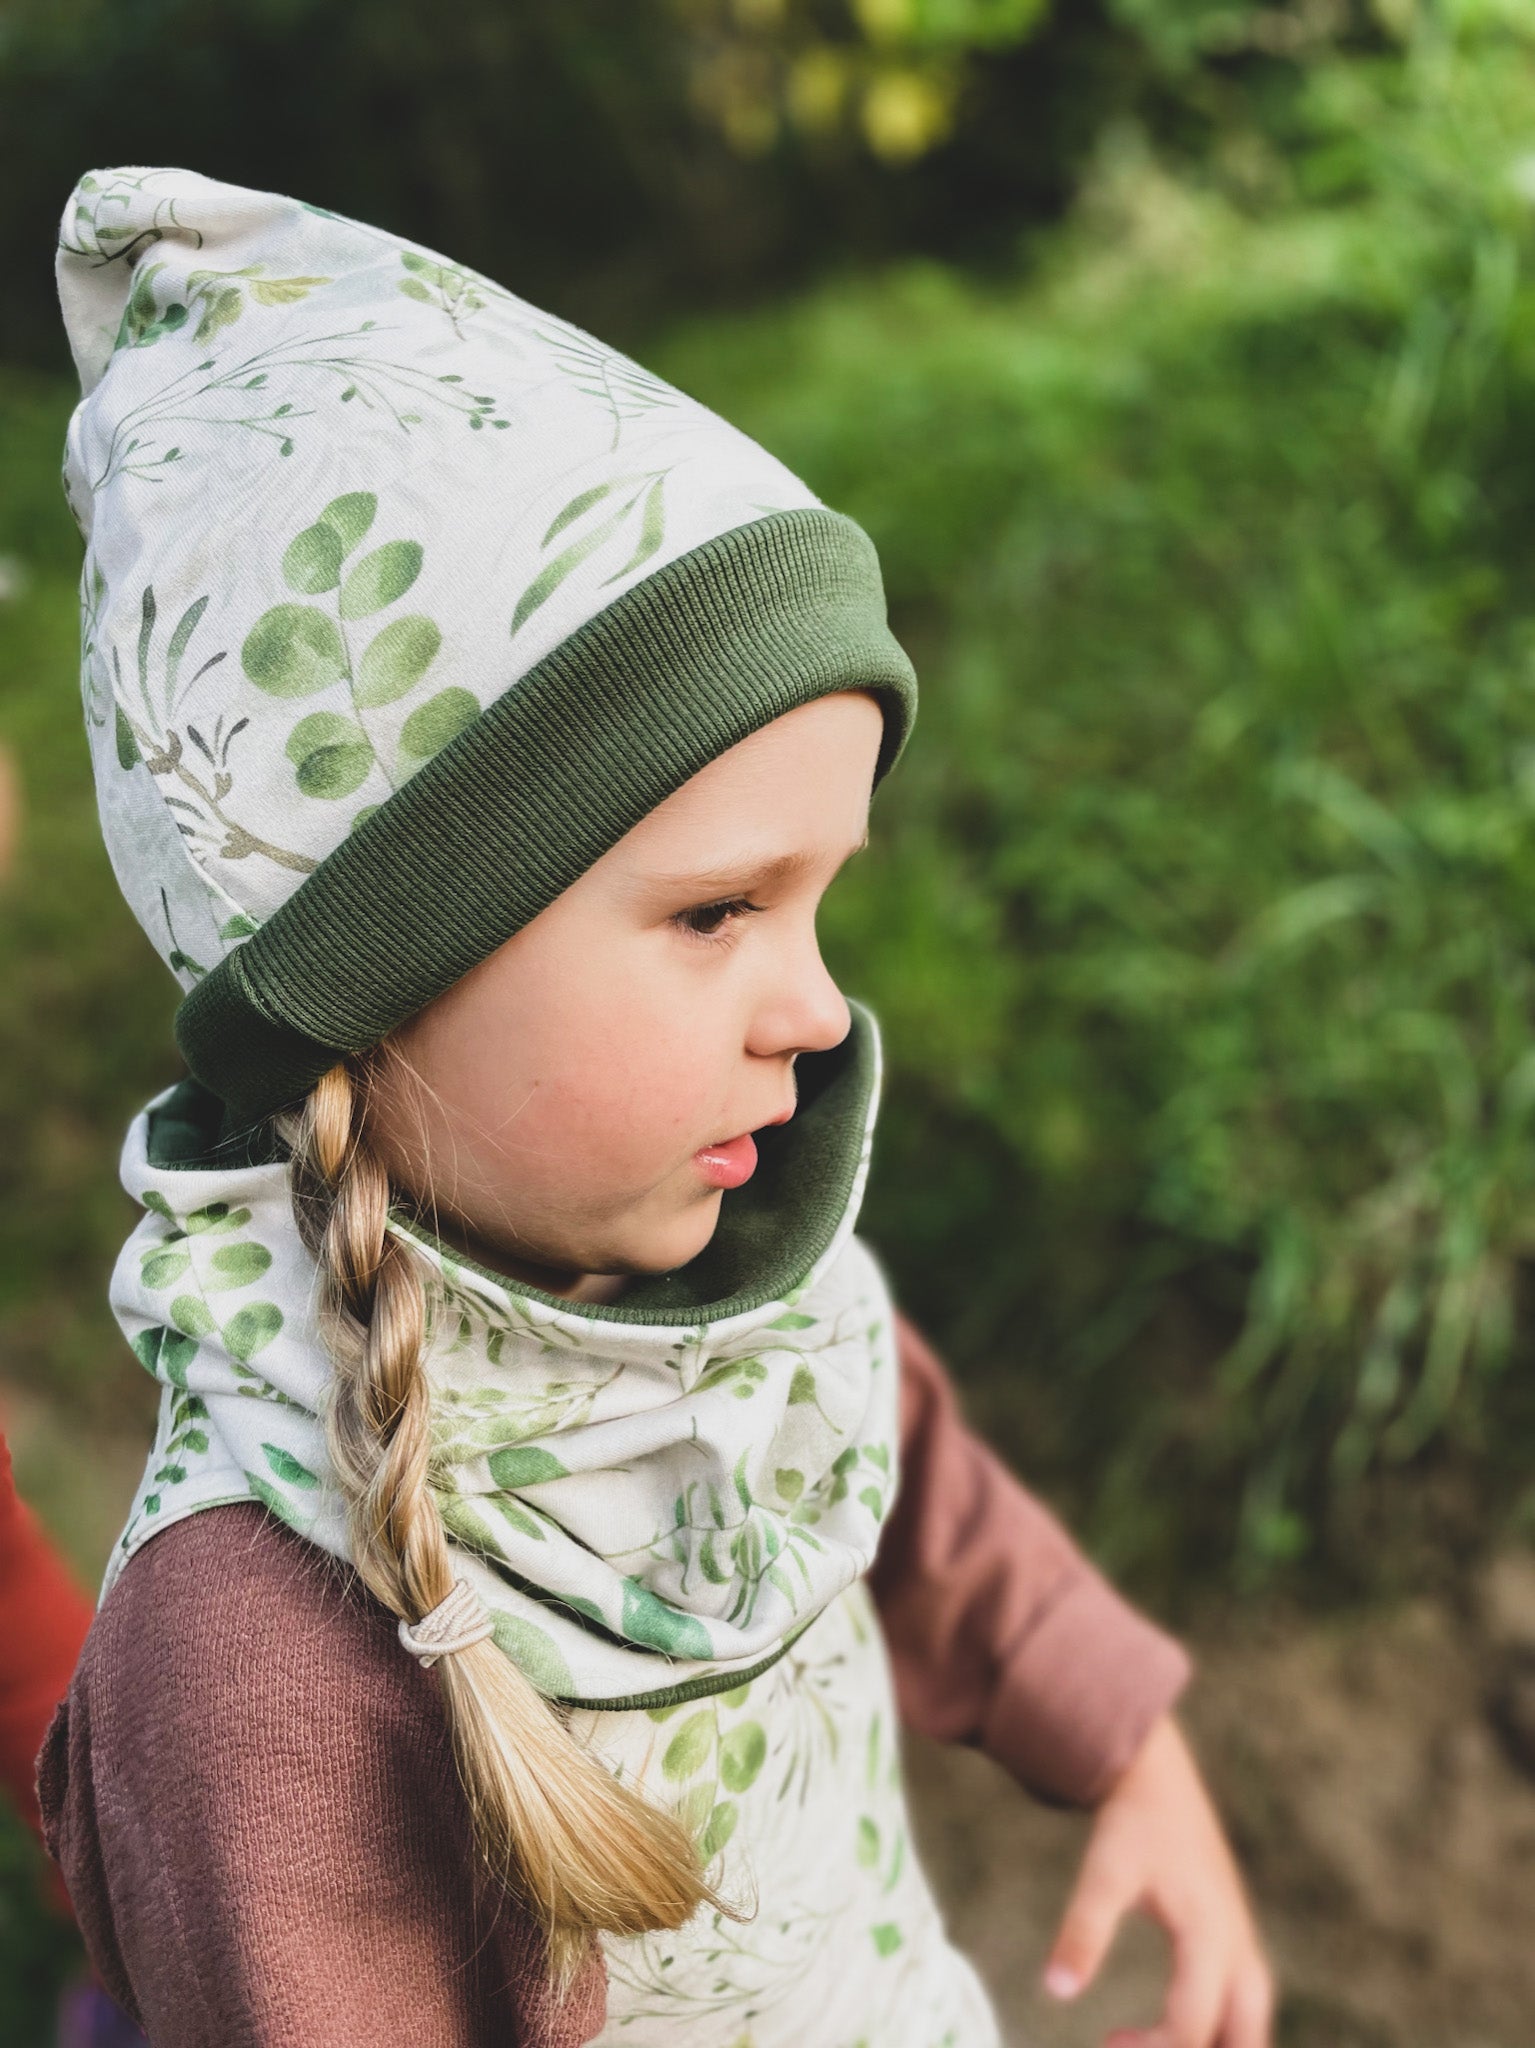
1157 1847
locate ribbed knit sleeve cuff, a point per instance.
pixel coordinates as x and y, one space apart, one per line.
1080 1693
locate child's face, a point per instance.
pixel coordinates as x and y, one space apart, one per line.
569 1105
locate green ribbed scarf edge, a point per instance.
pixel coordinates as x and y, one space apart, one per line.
489 832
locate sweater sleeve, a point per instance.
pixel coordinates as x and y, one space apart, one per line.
43 1620
251 1792
1001 1634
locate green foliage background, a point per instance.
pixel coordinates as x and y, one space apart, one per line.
1197 432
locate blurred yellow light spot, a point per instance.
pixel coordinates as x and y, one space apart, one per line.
904 114
883 21
815 89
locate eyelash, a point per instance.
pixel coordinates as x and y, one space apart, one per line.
727 913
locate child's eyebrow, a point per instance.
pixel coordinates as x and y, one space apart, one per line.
744 875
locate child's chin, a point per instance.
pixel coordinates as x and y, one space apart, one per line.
676 1244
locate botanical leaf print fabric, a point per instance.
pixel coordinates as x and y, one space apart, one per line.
791 1787
339 494
642 1507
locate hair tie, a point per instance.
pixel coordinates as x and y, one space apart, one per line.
457 1622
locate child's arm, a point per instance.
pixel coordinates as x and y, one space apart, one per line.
1001 1634
251 1792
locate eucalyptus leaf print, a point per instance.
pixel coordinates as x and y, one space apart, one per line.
453 291
270 393
198 763
214 298
306 649
625 390
629 511
114 219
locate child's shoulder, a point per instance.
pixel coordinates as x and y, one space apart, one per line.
235 1657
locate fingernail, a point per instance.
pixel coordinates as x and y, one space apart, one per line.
1062 1982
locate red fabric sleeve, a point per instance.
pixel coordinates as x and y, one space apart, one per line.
1001 1634
44 1617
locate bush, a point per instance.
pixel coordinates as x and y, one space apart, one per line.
1200 917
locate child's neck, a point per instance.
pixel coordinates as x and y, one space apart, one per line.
569 1286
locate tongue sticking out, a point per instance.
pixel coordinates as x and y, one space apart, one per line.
729 1165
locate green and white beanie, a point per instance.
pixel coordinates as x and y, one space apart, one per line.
403 601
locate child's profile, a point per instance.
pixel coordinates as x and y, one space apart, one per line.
551 1521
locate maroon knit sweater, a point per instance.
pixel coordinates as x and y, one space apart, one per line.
250 1788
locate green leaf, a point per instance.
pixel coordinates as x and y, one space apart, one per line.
790 1484
743 1490
162 1269
251 1329
868 1843
287 1467
583 503
690 1748
659 1625
292 651
742 1754
332 756
278 1503
870 1496
438 720
237 1265
887 1939
802 1386
216 1216
350 517
239 927
153 1199
172 1473
721 1826
127 746
520 1520
652 530
149 1347
413 288
793 1321
313 560
381 578
396 660
553 574
524 1465
535 1654
192 1316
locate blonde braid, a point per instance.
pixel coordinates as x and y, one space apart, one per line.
585 1853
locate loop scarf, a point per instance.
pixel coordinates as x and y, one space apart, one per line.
652 1502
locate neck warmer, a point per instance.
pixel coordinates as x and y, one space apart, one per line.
651 1497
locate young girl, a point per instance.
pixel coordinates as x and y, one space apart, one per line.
477 724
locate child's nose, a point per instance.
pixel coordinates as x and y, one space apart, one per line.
802 1008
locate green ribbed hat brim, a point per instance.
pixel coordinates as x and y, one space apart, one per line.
490 831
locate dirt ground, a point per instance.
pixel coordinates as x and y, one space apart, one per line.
1367 1768
1377 1770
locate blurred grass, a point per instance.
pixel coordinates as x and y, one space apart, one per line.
1201 915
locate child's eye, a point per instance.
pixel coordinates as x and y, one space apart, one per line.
712 920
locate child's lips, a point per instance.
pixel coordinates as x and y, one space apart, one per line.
732 1162
729 1165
